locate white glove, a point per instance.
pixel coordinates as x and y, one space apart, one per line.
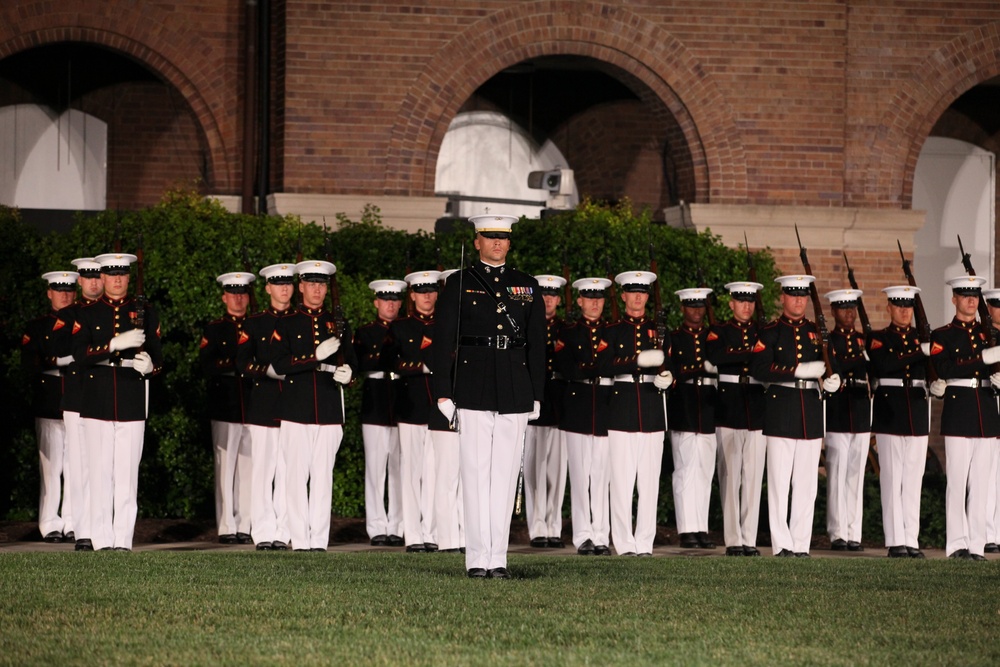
64 361
447 408
995 379
343 374
142 363
128 340
650 359
810 370
536 410
991 355
831 384
938 387
710 367
663 380
327 347
272 374
925 349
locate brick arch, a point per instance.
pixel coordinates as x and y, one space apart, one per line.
177 57
639 49
937 82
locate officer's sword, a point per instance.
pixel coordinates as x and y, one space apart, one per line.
519 497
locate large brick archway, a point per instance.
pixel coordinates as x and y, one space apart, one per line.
897 139
643 51
150 36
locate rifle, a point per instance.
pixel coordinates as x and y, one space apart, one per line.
817 308
140 293
409 269
615 313
984 312
453 424
339 323
250 287
923 326
567 289
758 302
118 231
709 310
658 309
866 324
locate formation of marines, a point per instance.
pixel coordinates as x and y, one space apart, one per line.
476 383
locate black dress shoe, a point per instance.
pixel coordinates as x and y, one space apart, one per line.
477 573
689 541
839 544
556 543
228 538
430 547
69 537
785 553
735 551
244 538
645 554
704 541
264 546
318 549
586 549
53 537
602 550
105 549
380 540
461 550
961 554
750 551
973 556
418 548
449 551
278 545
628 553
913 552
991 548
84 545
539 542
854 546
898 552
122 549
802 554
499 573
395 541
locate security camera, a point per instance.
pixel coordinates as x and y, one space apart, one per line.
556 181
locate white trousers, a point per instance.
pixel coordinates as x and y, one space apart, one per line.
635 462
545 469
381 470
76 476
491 445
115 449
846 455
694 465
233 477
792 469
589 488
268 511
416 464
310 452
51 435
449 514
901 462
967 463
740 465
992 497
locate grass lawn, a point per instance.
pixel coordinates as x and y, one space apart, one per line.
244 608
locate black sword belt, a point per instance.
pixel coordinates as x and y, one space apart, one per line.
497 342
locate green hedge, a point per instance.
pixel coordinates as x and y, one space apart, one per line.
188 241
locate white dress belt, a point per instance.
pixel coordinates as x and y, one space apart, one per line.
971 383
632 378
124 363
798 384
701 381
899 382
604 382
381 375
738 379
51 371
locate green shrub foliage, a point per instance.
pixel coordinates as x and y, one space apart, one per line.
186 241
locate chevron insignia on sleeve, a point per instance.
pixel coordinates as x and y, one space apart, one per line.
275 335
603 345
76 327
712 336
937 348
559 345
25 339
204 343
876 343
243 338
58 324
425 343
759 346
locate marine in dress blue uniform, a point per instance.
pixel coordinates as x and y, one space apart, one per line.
228 396
46 350
581 355
992 297
788 357
848 426
637 425
497 362
116 357
691 413
307 352
963 354
379 429
262 411
900 420
739 420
